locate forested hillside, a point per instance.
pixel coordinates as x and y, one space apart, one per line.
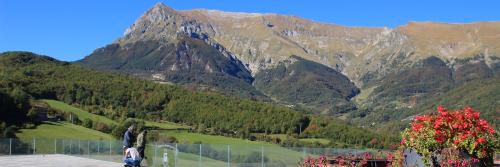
482 94
309 84
119 96
25 76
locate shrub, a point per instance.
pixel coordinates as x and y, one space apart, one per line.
102 127
87 123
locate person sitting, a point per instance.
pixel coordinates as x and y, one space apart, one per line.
132 157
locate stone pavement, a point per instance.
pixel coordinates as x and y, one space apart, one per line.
53 160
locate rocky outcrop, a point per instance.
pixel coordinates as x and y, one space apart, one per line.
244 45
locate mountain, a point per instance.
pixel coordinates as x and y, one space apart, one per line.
25 78
167 45
254 52
309 85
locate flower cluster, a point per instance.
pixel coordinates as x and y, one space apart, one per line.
346 161
462 129
312 162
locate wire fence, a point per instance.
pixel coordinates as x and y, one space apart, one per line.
178 155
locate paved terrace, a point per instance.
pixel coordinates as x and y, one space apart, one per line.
53 160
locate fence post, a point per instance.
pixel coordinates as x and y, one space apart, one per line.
199 158
98 147
262 157
79 148
154 157
228 156
34 145
10 146
304 152
175 156
70 147
62 144
55 146
88 147
110 150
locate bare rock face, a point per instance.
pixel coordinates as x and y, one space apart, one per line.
252 43
261 41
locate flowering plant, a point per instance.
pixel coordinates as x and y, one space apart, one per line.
312 162
346 161
462 130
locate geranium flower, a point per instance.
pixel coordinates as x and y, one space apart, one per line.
441 109
480 140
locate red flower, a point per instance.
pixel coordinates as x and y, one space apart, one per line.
463 136
439 139
417 127
476 115
480 140
422 118
438 123
491 130
441 109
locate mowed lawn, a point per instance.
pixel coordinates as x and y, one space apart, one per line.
240 146
313 140
186 137
82 114
165 125
52 130
309 140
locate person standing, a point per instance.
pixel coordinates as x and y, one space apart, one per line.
128 138
141 142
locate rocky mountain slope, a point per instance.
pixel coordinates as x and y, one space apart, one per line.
246 47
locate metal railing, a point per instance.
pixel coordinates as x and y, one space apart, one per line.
177 155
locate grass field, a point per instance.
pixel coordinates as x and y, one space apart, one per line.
165 125
82 114
240 147
46 133
312 140
51 130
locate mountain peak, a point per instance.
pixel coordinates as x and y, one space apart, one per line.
153 21
160 9
161 5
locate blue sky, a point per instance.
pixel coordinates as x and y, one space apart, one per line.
70 30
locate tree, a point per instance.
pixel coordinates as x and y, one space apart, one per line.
87 123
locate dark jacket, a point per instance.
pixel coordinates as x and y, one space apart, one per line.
128 138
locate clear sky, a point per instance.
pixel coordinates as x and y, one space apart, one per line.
71 29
